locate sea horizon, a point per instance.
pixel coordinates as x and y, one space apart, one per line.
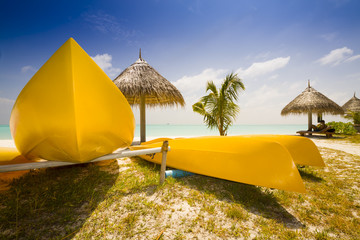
189 130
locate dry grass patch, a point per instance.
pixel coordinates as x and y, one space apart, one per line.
122 200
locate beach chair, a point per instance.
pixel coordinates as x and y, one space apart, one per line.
328 132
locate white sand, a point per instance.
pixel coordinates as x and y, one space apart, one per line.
348 147
7 143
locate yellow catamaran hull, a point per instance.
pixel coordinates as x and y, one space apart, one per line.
261 162
10 155
302 150
70 110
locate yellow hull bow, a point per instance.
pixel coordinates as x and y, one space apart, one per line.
70 110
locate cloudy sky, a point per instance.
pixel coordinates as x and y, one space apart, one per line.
274 46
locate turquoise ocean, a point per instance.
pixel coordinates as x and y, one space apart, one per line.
170 130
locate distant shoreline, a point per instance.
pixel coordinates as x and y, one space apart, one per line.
165 130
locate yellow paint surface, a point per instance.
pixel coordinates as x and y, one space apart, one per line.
261 162
302 150
70 110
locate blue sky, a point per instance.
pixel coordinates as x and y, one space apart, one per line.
274 46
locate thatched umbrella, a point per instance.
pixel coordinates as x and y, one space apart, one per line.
311 101
352 105
143 85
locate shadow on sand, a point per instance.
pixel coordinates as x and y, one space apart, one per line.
310 176
53 201
252 198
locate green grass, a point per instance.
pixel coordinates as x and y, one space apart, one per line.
126 202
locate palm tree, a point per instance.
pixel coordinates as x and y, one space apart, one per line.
353 116
218 107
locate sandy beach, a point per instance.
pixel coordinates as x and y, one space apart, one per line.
341 145
7 143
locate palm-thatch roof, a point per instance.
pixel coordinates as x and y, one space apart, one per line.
352 105
312 101
142 85
140 79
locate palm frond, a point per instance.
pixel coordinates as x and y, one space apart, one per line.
233 85
218 107
199 108
210 121
210 86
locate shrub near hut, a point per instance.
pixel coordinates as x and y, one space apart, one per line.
343 128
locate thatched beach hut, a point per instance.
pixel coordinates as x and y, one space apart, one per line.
352 110
143 85
352 105
309 102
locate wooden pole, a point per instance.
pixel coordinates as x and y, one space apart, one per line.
309 113
164 150
142 120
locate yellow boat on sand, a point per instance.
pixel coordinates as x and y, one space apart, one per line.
10 155
70 110
302 150
251 160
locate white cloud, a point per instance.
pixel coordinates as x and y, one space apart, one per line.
261 68
273 77
263 96
338 56
353 58
104 62
195 85
258 98
28 68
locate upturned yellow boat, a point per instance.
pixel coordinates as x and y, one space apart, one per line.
251 160
10 155
302 150
70 110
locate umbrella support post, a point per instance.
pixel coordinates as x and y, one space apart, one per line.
310 121
164 150
142 120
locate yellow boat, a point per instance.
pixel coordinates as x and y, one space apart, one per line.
257 161
302 150
10 155
70 110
